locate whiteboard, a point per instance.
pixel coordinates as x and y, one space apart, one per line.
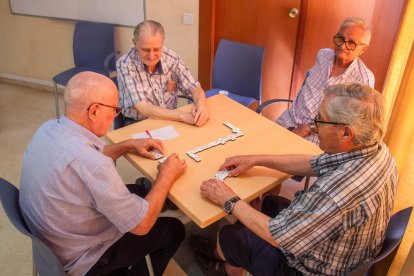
120 12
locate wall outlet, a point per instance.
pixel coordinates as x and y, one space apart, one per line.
188 18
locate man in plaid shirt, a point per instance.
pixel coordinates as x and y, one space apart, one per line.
338 65
335 226
150 76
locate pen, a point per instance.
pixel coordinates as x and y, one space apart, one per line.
149 134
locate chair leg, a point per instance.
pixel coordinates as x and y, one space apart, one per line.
34 268
149 265
306 183
56 101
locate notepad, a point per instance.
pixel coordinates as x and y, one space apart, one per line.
163 133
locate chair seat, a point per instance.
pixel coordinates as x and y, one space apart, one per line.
64 77
246 101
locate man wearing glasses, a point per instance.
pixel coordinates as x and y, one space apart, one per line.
73 198
342 64
336 225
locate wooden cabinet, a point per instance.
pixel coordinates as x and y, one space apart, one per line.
291 44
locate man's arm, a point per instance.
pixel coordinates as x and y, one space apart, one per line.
169 171
153 111
218 192
200 111
295 164
142 147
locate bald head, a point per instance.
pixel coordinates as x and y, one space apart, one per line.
86 88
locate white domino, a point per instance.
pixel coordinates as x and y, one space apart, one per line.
157 154
221 175
162 159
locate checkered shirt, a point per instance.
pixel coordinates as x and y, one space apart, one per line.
306 105
136 83
339 223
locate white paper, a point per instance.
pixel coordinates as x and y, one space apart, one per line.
163 133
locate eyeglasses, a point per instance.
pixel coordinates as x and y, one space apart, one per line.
349 44
318 122
117 109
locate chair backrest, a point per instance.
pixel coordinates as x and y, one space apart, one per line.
238 68
44 258
92 43
393 236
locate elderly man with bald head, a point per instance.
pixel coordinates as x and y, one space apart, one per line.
150 76
73 198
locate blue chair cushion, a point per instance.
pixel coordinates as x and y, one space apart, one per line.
246 101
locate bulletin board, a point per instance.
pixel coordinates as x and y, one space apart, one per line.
119 12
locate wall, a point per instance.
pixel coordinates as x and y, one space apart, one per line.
35 48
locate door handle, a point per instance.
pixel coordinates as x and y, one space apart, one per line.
293 12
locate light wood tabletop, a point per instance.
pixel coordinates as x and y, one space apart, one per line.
261 136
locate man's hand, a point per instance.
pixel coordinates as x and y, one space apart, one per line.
144 147
186 117
200 114
302 130
172 168
216 191
237 164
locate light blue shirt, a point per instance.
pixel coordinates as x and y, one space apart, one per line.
72 196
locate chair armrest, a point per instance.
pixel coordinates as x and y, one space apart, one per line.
107 60
269 102
185 97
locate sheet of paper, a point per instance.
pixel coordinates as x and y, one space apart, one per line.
163 133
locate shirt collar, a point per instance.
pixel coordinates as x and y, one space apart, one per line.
329 162
93 140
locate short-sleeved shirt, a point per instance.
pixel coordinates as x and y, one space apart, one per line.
306 105
136 83
339 223
72 197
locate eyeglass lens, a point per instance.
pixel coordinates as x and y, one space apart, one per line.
349 44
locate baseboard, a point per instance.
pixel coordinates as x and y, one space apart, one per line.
30 82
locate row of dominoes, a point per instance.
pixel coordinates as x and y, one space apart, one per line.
221 141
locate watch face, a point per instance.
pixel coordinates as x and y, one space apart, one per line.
228 206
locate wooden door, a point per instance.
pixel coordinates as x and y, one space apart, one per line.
260 22
291 44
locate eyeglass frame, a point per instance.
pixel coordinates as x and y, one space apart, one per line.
317 123
116 108
345 42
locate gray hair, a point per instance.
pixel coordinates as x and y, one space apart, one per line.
359 22
83 89
359 106
150 26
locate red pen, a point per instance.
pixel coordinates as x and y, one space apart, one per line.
149 134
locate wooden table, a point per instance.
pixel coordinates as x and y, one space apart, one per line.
261 136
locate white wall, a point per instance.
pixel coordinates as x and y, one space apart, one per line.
36 48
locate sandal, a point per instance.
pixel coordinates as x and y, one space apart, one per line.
210 267
202 245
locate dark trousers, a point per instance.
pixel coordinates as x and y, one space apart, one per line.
127 255
243 248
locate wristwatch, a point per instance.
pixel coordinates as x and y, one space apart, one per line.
229 204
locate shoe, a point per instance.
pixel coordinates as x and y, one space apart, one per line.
144 182
202 245
210 267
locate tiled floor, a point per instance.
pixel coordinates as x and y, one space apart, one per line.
22 111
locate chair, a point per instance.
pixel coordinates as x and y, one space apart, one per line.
93 50
237 70
393 236
45 261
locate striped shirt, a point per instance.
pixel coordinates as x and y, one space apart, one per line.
339 223
136 83
72 197
306 105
